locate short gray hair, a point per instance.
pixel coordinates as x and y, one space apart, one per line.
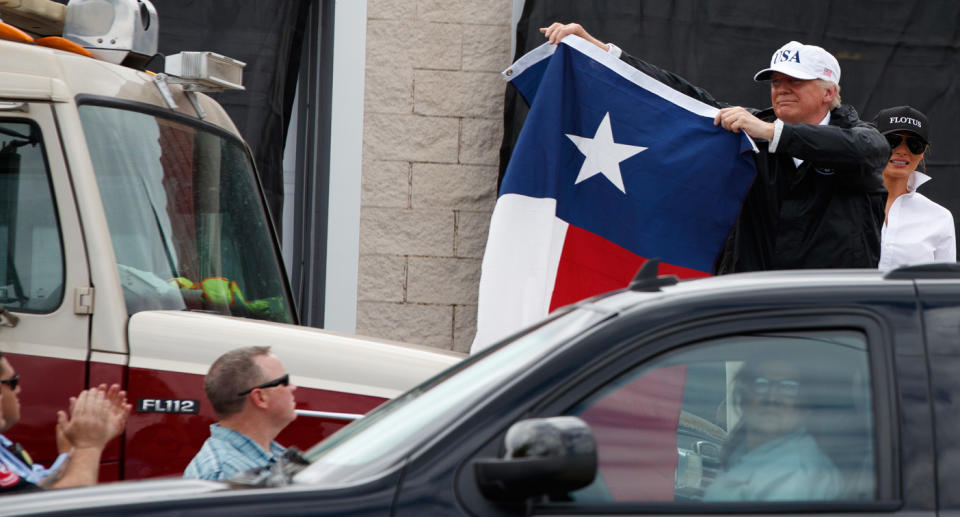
232 373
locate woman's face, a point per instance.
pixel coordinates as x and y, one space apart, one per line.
769 405
902 160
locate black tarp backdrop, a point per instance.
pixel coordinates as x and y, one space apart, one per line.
890 52
267 36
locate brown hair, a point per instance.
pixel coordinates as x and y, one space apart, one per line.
231 373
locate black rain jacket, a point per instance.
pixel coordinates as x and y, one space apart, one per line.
827 213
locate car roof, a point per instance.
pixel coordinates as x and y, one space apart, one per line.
759 282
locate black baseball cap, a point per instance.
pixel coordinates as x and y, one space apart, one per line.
902 118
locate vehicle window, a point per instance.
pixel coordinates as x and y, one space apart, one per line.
185 217
763 417
31 255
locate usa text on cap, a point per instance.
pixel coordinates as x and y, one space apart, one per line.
803 62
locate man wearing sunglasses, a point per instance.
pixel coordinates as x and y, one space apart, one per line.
817 200
769 455
251 394
96 416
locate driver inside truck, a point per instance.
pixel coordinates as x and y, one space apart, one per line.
770 455
96 416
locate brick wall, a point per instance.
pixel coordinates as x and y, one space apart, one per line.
433 106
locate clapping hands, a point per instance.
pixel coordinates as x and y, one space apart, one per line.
96 416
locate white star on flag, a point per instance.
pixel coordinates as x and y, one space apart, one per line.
603 156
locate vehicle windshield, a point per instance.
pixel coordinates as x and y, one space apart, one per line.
393 430
188 227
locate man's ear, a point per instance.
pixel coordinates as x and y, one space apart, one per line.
257 399
829 93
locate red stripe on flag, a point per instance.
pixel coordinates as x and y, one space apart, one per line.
590 265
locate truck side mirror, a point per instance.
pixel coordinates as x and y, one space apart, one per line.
542 456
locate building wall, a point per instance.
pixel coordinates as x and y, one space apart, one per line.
433 107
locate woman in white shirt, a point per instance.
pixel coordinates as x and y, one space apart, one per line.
916 230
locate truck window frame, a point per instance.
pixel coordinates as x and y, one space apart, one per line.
182 118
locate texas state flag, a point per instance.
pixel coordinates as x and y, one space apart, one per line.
610 169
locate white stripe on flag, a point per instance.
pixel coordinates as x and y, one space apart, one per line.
519 266
527 60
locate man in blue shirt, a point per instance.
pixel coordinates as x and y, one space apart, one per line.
17 459
252 396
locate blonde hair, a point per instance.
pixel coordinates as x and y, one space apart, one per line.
835 103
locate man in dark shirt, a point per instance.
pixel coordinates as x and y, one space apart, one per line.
818 198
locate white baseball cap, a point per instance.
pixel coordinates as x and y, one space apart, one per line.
803 62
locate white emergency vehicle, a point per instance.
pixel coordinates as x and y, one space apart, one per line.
135 245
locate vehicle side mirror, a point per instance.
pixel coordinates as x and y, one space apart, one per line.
542 456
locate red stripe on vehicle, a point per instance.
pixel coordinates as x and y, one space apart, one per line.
162 444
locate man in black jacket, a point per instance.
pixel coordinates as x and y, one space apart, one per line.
818 198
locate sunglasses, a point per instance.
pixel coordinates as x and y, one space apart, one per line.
279 381
12 381
785 387
915 144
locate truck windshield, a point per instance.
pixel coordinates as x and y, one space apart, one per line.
188 227
392 431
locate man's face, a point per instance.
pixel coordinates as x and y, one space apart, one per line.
10 401
281 401
798 100
770 406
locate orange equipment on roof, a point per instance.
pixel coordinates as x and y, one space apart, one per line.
12 33
63 44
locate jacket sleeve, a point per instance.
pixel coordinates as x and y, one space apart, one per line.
672 80
858 150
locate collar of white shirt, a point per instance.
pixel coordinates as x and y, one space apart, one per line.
916 179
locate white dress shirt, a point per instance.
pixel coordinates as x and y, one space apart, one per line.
917 230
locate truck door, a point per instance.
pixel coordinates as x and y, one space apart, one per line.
790 412
44 277
188 234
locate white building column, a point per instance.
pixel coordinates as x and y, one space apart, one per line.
346 153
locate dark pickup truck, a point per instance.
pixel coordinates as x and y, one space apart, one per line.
794 392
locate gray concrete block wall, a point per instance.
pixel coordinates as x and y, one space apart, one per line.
433 104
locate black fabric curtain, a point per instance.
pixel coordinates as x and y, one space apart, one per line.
267 36
890 54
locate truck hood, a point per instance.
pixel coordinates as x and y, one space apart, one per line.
189 342
107 495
